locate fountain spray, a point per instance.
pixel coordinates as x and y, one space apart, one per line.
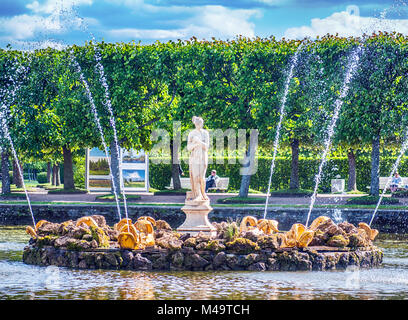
5 129
282 113
98 123
112 121
351 68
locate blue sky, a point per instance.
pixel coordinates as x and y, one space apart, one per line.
25 22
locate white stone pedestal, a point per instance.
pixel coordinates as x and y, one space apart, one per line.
337 185
196 217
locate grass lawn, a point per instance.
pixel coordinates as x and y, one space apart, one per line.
240 205
111 197
171 192
30 185
67 191
291 193
242 200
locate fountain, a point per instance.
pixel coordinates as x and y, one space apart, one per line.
351 68
96 117
255 245
278 128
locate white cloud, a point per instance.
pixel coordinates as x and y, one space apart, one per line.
206 22
346 24
49 18
52 6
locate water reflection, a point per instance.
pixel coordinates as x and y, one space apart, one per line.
20 281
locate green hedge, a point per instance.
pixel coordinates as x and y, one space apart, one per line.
160 174
42 177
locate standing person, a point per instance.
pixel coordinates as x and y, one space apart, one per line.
396 180
212 180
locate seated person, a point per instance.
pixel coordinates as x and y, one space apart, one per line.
396 180
212 180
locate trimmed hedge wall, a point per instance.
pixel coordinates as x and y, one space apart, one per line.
160 174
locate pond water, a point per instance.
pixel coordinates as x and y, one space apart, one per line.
21 281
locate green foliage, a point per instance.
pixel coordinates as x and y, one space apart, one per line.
247 200
160 174
42 177
232 84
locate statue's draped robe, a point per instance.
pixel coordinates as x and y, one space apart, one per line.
197 144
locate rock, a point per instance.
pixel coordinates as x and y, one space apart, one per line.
231 261
268 242
141 263
252 235
162 225
358 240
177 261
112 234
111 260
196 261
190 242
338 241
273 264
259 266
160 261
99 235
219 259
250 259
214 246
127 257
78 232
82 264
169 243
48 228
348 228
203 237
100 221
185 236
45 241
63 241
87 237
242 245
65 227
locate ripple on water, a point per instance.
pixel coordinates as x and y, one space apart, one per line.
21 281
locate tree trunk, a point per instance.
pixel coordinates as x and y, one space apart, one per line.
54 175
294 174
49 172
352 177
17 177
249 165
68 169
56 181
375 167
5 176
115 167
175 163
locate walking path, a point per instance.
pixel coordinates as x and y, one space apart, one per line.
147 197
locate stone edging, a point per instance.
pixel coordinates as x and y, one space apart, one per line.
192 260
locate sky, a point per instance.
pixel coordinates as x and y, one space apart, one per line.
42 23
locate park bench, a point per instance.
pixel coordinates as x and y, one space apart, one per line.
222 184
383 183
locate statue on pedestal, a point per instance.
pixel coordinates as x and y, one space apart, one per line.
197 204
197 144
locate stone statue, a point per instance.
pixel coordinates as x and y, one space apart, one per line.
197 145
197 205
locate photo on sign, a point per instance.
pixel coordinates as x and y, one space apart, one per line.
134 178
133 156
